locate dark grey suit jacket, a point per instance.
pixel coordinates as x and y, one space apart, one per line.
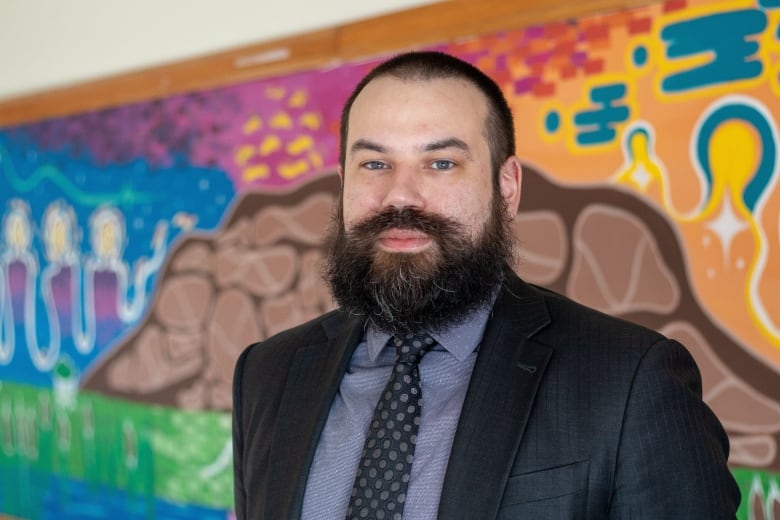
569 414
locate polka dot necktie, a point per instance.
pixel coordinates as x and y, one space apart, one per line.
379 492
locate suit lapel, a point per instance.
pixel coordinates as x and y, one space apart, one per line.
506 376
313 381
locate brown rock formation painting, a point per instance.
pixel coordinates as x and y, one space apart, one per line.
261 273
258 275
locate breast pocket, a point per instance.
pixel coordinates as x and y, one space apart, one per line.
558 492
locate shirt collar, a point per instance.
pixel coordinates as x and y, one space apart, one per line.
460 339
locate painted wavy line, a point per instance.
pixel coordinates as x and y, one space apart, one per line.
126 196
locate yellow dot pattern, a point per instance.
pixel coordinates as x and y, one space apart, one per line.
280 143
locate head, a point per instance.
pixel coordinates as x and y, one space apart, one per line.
430 184
423 66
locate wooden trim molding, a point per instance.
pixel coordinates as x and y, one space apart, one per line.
412 28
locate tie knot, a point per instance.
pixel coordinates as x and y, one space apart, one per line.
411 348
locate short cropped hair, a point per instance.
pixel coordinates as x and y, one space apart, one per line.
429 65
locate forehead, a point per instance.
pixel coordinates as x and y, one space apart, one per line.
389 100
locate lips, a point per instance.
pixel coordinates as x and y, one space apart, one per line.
403 240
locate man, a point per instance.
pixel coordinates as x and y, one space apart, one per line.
515 402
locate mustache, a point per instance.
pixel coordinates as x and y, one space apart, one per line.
413 219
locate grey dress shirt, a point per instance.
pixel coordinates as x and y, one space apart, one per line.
444 372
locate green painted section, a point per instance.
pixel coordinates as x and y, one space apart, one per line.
759 489
157 452
168 453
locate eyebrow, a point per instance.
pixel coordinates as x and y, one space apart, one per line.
443 144
451 142
365 144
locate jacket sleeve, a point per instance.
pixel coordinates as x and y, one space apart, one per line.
238 440
673 451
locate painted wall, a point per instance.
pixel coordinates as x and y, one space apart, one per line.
143 247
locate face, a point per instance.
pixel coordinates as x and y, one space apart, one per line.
424 236
422 144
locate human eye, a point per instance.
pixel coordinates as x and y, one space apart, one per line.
374 165
442 164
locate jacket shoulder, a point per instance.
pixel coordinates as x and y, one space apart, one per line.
286 342
262 368
589 323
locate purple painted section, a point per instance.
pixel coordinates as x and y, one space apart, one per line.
207 129
525 84
105 288
579 58
17 287
62 294
501 62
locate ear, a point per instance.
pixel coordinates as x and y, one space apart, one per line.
341 174
510 178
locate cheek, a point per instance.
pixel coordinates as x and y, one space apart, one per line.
354 207
471 212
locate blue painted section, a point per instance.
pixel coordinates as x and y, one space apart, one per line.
726 40
597 125
552 122
639 56
143 196
58 498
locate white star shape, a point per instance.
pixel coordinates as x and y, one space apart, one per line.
641 177
726 226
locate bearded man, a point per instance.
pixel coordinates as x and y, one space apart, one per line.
444 386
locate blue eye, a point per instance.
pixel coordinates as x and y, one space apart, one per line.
374 165
442 164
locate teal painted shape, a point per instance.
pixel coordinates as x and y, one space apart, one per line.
767 165
727 36
597 124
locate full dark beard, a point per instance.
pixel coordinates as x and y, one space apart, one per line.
434 289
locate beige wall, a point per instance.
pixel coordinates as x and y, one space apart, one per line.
53 43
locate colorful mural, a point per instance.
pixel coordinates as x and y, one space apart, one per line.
144 246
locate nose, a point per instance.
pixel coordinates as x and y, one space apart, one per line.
403 190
